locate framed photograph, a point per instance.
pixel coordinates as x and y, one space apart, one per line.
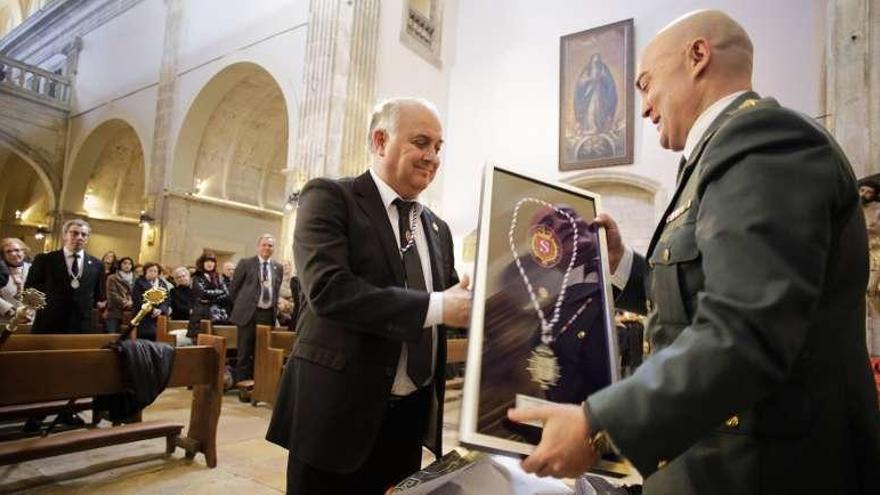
541 322
596 97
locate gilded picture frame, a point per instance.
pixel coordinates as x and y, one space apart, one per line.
596 97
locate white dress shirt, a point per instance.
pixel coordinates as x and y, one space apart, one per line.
260 303
620 277
402 383
68 258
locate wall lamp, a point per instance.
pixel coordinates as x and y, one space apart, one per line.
41 234
145 219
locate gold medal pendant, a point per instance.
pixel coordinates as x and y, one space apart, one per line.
74 283
544 367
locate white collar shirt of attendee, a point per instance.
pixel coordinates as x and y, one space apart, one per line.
267 303
403 385
68 258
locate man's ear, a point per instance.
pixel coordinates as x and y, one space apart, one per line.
379 139
699 53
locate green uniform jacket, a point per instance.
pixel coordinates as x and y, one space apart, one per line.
754 286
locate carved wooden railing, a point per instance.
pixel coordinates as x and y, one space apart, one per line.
35 82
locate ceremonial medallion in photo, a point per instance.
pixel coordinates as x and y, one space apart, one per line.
541 325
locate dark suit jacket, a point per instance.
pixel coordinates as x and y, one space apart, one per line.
67 310
245 289
754 286
334 391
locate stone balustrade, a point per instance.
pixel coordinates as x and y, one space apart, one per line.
35 82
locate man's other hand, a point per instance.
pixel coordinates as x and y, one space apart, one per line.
564 451
457 304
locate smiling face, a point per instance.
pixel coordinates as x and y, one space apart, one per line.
408 157
669 94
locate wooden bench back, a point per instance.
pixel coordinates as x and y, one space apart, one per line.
229 332
43 342
31 376
45 375
273 346
456 351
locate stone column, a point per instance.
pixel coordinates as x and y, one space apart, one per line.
853 94
157 205
337 96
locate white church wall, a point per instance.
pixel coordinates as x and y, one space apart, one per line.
120 57
402 72
504 87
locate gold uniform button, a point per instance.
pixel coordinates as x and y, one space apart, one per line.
662 464
666 255
732 422
582 334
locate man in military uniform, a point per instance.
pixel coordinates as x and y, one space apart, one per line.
759 378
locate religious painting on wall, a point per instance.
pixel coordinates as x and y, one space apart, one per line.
541 323
596 97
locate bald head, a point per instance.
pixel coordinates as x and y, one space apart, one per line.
729 44
690 64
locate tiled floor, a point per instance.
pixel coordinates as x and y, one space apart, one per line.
247 464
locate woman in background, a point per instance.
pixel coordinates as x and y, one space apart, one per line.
208 294
150 280
119 285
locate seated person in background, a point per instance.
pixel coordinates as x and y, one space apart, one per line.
12 252
209 296
119 294
150 280
181 294
226 281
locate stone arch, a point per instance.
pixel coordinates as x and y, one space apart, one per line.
40 167
110 161
634 201
234 139
26 188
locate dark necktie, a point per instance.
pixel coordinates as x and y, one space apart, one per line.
264 292
74 268
418 364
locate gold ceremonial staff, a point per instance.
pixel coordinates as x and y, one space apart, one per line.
31 299
152 298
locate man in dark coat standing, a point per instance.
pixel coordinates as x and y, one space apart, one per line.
758 379
71 280
363 390
254 290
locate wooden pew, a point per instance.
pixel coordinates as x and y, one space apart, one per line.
456 353
229 332
273 347
45 375
164 326
54 342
